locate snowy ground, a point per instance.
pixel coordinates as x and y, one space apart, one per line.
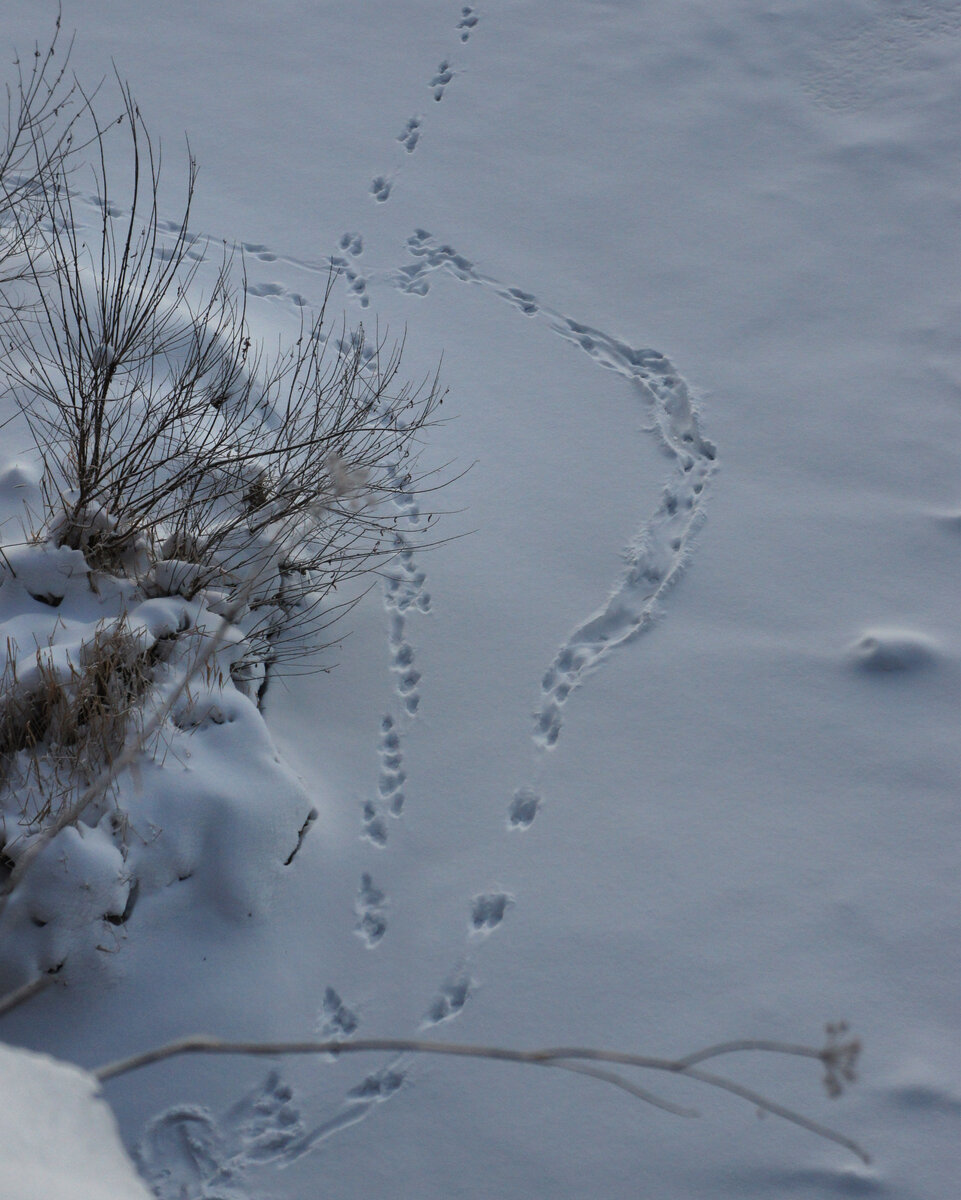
663 751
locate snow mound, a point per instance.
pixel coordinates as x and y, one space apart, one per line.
885 650
207 798
59 1138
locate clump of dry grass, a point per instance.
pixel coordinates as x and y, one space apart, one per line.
63 718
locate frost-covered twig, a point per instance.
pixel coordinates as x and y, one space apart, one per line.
569 1058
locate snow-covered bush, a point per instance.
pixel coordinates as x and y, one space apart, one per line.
130 761
199 507
174 450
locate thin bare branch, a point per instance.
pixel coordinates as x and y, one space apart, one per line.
564 1057
22 994
618 1081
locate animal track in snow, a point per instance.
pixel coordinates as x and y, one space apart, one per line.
184 1152
166 254
658 554
488 910
265 289
451 997
181 1152
654 560
379 1085
410 135
375 826
371 909
336 1019
187 1154
353 243
201 245
404 592
441 79
266 1123
468 22
523 808
374 1089
356 283
390 784
380 188
113 210
276 291
392 775
413 277
433 257
522 300
259 251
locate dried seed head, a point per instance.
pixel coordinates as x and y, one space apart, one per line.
840 1057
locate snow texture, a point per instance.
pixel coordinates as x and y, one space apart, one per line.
59 1137
660 748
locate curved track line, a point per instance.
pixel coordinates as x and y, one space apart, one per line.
660 549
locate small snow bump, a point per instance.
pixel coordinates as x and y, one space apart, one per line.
889 650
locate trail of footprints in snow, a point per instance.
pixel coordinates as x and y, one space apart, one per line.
351 244
185 1151
658 553
410 135
342 261
404 592
654 560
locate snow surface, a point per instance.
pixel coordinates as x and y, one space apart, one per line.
59 1138
608 769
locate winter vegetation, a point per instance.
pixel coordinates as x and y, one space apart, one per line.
194 514
208 504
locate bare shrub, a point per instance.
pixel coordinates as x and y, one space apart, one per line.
174 449
177 454
42 110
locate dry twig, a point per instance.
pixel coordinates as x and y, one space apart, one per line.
568 1058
